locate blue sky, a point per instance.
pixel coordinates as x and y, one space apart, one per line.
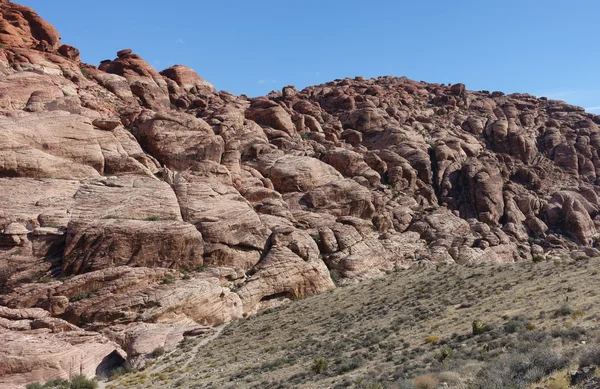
544 47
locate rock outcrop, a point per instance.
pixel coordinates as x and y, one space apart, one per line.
140 205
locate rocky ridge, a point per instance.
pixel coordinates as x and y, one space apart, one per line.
138 205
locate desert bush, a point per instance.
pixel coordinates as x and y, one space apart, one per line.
479 327
516 324
432 339
120 371
444 354
351 364
569 333
451 378
319 365
79 297
82 382
532 339
361 383
157 352
538 258
547 360
426 382
374 385
564 310
34 385
335 276
590 357
518 369
58 383
275 364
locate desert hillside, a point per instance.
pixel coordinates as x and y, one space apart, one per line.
140 207
490 326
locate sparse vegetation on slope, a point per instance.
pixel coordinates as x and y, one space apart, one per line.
486 326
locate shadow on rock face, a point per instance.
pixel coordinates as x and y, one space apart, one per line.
110 363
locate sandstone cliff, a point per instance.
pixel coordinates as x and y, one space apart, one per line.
137 205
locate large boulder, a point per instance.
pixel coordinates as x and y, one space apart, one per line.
269 113
21 26
145 82
177 140
294 173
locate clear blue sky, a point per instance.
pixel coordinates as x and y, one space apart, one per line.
544 47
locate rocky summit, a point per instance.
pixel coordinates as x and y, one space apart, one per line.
138 207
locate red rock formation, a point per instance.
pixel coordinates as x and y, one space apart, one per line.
160 195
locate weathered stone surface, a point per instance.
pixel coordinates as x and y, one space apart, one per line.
233 231
187 79
141 339
178 140
125 197
342 198
291 268
103 244
59 145
268 113
40 348
296 174
145 82
21 27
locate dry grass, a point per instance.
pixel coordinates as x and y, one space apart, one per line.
375 334
426 382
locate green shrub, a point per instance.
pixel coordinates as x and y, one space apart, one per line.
319 365
445 353
34 385
120 371
79 297
168 280
81 382
58 383
538 258
335 276
564 310
157 352
479 327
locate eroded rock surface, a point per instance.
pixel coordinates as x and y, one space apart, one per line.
147 204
